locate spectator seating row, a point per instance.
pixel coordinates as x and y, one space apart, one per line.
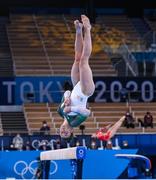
12 123
44 44
6 63
30 120
102 114
118 30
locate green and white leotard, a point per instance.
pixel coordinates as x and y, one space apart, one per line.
77 99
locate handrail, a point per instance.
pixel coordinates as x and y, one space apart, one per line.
43 44
27 132
149 38
67 25
26 118
11 51
146 34
129 58
50 113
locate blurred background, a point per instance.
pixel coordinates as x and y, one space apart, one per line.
36 55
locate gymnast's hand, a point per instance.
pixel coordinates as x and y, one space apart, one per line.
67 101
67 109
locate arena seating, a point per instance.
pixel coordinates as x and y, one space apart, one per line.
102 114
119 29
6 64
27 48
140 109
1 128
35 114
13 123
44 45
109 113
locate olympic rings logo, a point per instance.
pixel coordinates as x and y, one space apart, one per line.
36 143
28 170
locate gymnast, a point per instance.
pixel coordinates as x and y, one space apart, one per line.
106 133
73 108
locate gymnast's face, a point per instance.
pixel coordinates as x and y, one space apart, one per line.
66 131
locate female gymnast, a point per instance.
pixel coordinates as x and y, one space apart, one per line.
73 108
106 133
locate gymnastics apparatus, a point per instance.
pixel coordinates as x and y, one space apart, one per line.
75 154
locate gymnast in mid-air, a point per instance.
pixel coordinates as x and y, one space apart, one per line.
73 108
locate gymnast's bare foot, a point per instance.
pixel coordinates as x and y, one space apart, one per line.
78 26
86 22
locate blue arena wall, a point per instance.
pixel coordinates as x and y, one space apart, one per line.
144 56
7 91
46 89
50 89
98 164
145 143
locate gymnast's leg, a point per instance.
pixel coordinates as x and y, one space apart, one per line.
66 130
113 129
86 77
75 76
